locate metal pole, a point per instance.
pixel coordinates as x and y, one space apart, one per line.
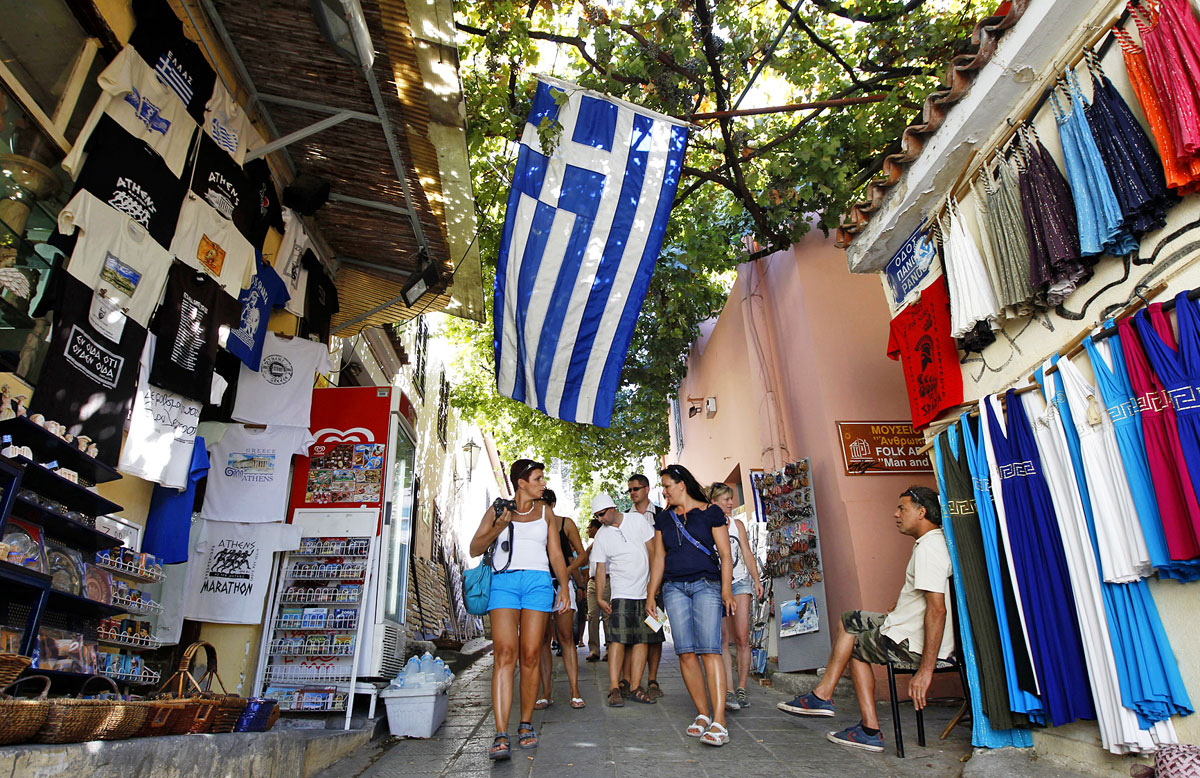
770 51
838 102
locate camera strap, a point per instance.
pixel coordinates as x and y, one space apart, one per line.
491 552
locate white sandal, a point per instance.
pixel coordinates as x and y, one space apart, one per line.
697 729
717 735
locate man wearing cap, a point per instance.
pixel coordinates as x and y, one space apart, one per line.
623 550
918 631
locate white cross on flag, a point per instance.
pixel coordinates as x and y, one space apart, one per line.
581 235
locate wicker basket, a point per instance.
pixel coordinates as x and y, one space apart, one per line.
195 710
20 719
74 720
160 716
11 667
229 706
124 720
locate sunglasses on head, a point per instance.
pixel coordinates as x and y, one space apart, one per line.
529 468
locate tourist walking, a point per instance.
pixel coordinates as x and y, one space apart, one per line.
528 547
735 627
638 489
561 626
692 564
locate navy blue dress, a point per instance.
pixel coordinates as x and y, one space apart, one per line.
1041 568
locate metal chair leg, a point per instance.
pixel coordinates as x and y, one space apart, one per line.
920 728
895 711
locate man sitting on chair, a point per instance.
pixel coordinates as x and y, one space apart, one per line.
918 631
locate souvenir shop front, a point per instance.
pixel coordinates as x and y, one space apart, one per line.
1046 317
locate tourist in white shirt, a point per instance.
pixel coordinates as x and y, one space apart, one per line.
639 492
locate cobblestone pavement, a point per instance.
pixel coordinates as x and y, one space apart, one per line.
649 739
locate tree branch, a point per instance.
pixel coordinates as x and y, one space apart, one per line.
573 41
822 44
837 10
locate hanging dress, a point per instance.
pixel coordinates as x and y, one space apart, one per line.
1097 212
1176 77
1041 568
1108 364
1178 368
1014 646
972 573
1133 167
971 298
1182 175
1055 265
1005 246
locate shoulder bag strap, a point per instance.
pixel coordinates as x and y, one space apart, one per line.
711 552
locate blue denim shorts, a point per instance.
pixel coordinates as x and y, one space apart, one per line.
743 586
529 590
695 610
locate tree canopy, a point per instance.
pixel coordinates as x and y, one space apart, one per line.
768 178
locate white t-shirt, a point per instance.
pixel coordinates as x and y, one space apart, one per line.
280 391
625 556
928 571
146 107
288 261
115 254
229 569
227 124
162 429
735 549
250 472
207 241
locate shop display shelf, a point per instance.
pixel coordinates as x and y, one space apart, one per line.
23 575
129 641
145 678
345 548
313 706
342 573
74 496
71 532
331 625
278 649
47 447
65 602
131 572
314 599
142 607
328 556
294 674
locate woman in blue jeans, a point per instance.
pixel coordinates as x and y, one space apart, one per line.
692 564
522 596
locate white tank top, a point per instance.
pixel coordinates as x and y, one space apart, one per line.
735 551
529 546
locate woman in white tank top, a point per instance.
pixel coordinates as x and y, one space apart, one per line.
522 597
735 629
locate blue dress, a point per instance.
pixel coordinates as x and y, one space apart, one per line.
1041 567
1125 413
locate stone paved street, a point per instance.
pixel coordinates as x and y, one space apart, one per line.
650 739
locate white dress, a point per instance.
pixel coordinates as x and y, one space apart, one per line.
972 299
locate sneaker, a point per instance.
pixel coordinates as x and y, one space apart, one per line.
731 702
807 705
857 737
743 699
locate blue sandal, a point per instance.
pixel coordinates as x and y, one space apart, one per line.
500 750
526 736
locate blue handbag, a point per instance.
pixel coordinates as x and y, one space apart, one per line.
477 582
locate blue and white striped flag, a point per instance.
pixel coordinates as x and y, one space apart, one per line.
581 235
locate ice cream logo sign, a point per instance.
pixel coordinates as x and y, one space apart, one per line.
328 438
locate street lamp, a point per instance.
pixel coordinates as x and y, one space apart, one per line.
471 449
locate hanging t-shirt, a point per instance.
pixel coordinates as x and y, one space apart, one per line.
321 299
115 254
188 324
920 339
134 97
230 570
88 380
221 183
208 242
227 124
265 293
229 368
267 199
251 468
289 261
280 391
127 174
159 39
170 516
162 428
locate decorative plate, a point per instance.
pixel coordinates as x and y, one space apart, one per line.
21 540
64 572
98 584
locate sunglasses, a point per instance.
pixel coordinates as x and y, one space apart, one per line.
529 468
636 489
599 514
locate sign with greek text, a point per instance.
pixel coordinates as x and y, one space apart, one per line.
881 448
909 266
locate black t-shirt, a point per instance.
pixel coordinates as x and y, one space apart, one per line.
269 213
187 324
126 173
229 367
320 299
88 380
683 561
179 63
220 182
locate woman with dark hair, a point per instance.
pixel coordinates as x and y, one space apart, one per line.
526 534
693 565
562 625
735 628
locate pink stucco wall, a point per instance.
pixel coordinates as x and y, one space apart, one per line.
830 336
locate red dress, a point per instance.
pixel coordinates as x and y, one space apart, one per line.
1172 485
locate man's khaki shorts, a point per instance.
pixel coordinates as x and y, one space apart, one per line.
872 646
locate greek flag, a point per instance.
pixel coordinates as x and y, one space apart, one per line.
581 235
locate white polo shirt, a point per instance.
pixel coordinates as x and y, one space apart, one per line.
928 571
625 556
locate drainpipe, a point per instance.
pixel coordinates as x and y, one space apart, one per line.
761 353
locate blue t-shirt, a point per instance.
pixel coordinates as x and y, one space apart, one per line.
169 520
684 562
265 293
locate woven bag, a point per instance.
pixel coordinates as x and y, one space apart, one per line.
194 709
1177 762
20 719
11 667
74 720
160 715
124 720
229 706
254 717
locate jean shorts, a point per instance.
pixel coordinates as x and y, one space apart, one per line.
529 590
743 586
695 609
